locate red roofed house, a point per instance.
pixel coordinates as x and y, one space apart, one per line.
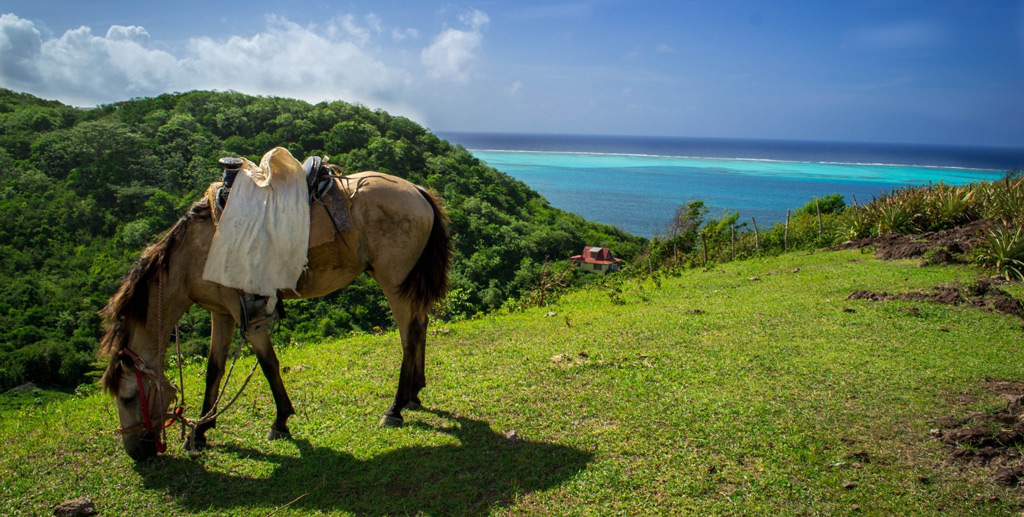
596 260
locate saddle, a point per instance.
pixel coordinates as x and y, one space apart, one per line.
256 249
323 187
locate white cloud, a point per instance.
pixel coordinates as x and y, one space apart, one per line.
80 67
404 34
312 63
476 19
449 56
665 48
131 33
20 47
361 34
353 58
516 88
290 60
374 22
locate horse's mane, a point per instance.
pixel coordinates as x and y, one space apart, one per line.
130 303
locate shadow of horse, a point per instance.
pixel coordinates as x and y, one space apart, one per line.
485 471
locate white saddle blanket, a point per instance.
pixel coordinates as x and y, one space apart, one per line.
261 243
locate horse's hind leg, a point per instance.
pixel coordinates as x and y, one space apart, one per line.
271 370
221 328
412 326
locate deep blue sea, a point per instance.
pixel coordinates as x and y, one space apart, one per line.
636 183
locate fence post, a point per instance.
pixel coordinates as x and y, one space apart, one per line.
704 245
785 236
818 208
757 239
732 237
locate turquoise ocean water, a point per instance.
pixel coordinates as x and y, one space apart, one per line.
637 183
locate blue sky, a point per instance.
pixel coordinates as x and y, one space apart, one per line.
947 72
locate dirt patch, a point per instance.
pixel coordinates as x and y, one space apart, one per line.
990 439
942 247
981 294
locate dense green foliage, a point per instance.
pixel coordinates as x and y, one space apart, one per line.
83 191
695 240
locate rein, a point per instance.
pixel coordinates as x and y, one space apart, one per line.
141 369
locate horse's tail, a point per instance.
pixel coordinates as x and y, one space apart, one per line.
428 280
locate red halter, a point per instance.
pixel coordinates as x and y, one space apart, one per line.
141 369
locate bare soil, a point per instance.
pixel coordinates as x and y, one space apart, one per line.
992 439
940 247
981 294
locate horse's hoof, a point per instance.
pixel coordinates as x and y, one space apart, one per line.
274 434
391 421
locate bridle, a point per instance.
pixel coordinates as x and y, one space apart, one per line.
141 370
167 419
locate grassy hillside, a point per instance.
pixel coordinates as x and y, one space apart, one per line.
754 387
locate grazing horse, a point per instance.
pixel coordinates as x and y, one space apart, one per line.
398 236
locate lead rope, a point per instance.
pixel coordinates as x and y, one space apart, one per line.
179 411
161 443
181 379
215 411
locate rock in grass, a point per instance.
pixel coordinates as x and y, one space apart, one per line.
512 436
25 388
74 507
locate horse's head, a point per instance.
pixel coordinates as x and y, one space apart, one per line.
137 319
143 396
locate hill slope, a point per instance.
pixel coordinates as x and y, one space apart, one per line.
83 191
754 387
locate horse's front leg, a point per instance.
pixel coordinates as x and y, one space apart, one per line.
221 328
272 371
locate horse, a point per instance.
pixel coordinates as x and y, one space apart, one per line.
398 236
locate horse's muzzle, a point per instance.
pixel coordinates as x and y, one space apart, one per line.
140 446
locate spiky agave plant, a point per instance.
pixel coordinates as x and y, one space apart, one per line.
1004 249
948 206
856 222
1004 200
896 214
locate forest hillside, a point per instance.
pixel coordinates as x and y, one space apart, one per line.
82 192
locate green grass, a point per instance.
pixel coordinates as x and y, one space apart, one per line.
774 398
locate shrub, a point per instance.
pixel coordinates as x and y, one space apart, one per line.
947 206
830 204
1004 200
1004 250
